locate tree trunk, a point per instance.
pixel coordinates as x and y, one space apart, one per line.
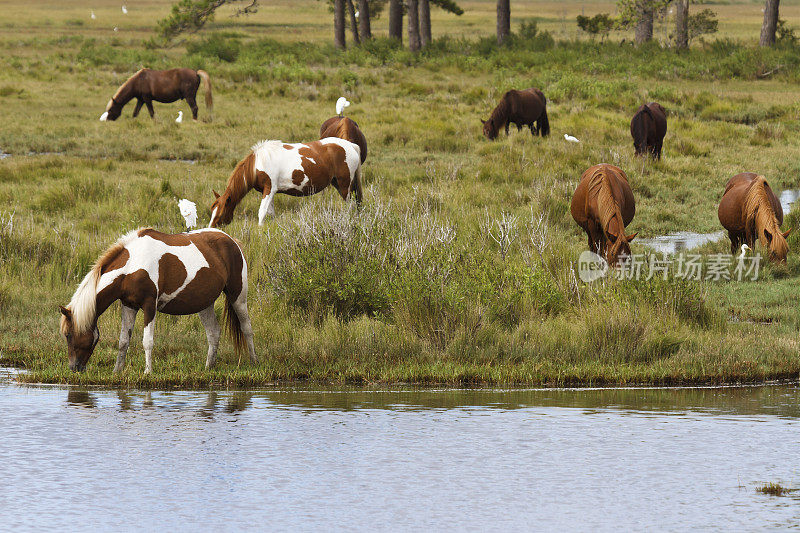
338 24
682 24
413 25
770 23
351 9
363 20
644 26
425 22
396 20
503 20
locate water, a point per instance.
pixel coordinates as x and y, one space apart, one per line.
681 241
398 460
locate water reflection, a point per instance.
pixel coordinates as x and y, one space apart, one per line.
777 400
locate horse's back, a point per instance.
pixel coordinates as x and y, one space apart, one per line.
347 129
584 202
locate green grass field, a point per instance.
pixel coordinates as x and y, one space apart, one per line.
412 288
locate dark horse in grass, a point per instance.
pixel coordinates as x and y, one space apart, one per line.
648 128
523 108
164 86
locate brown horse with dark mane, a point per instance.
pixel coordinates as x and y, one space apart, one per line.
164 86
523 108
347 129
750 211
648 128
603 205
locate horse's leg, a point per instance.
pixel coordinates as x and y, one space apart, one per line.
355 187
149 310
659 144
267 207
734 237
240 307
138 107
149 104
193 105
128 315
507 123
211 325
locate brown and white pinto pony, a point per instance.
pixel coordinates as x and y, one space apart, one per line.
751 212
175 274
603 205
164 86
523 108
648 128
299 169
346 129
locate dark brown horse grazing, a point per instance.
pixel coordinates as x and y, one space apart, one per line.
164 86
178 274
299 169
603 205
648 128
523 108
346 129
750 211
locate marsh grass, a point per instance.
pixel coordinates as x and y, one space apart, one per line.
459 267
774 489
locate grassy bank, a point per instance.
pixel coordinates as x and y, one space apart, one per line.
414 287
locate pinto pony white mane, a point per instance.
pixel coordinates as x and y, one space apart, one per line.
84 300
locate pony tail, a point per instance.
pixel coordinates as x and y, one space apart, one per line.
207 87
544 124
232 325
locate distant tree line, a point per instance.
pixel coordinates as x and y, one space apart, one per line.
192 15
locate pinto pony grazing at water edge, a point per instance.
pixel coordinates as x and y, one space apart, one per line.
648 128
164 86
175 274
603 205
523 108
299 169
750 211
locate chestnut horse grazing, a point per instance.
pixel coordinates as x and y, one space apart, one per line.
299 169
603 205
164 86
648 128
750 211
346 129
175 274
523 108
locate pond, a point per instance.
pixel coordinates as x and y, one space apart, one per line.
398 459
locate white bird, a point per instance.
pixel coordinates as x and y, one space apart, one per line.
341 103
124 10
104 117
92 16
189 212
570 138
116 29
356 14
180 117
744 251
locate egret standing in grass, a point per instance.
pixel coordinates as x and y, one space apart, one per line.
92 16
180 117
570 138
124 9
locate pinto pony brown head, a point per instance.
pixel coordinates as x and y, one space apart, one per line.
221 210
241 180
80 342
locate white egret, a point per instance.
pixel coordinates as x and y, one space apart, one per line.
570 138
189 212
341 103
180 117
